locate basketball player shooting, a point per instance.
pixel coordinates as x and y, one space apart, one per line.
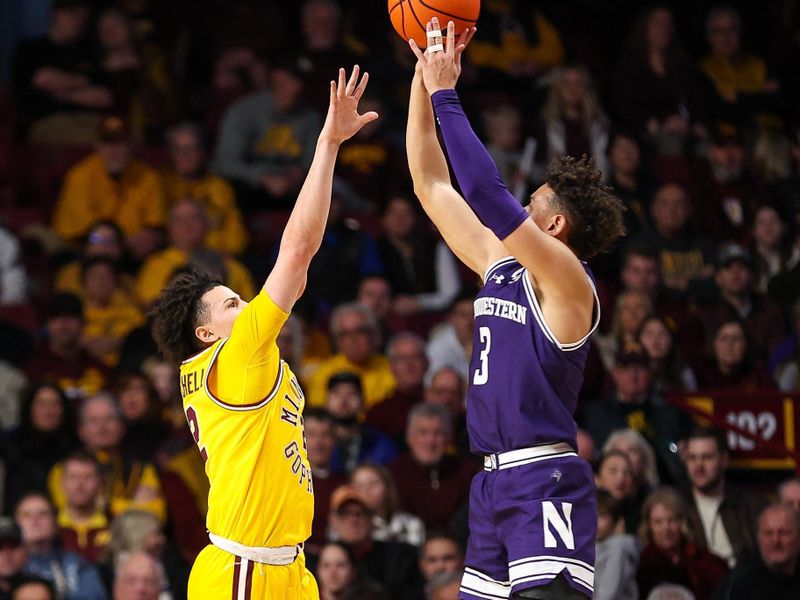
244 404
532 514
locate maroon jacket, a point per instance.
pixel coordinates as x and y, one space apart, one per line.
698 570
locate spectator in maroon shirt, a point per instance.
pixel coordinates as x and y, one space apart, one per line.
406 352
762 319
432 484
732 366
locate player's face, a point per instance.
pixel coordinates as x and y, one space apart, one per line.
334 571
36 520
778 538
705 464
615 477
665 527
224 305
440 556
540 209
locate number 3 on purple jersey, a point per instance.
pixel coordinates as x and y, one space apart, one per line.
481 375
194 427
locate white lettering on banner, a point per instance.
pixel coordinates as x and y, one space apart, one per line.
563 527
762 425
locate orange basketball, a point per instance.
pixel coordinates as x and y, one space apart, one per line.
410 16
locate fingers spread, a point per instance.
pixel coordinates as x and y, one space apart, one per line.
362 86
415 49
333 92
351 83
451 37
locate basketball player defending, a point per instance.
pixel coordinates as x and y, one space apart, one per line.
532 514
242 401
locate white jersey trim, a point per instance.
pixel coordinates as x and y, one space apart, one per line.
476 583
547 567
495 265
196 356
539 315
240 407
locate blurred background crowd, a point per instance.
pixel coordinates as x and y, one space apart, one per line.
141 138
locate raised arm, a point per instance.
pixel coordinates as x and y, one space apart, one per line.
303 234
469 240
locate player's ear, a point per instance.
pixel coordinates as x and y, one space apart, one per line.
205 335
557 224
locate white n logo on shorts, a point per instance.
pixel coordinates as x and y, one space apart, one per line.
563 526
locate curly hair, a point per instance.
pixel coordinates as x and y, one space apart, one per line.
594 213
178 311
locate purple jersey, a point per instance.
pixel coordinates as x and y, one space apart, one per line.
524 384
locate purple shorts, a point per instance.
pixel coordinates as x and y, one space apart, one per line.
528 524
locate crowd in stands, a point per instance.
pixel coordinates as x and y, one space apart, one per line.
140 138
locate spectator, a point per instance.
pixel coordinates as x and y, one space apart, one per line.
615 476
655 86
106 239
721 518
137 73
12 556
732 365
355 441
320 443
446 387
672 374
432 484
669 555
730 194
450 345
774 573
137 531
406 352
440 554
503 126
33 588
138 576
128 483
145 429
13 280
62 357
355 332
57 84
83 521
641 458
188 177
336 571
516 43
375 292
683 254
771 246
111 184
789 493
573 122
741 80
73 577
630 309
45 436
391 564
187 228
444 586
738 300
109 313
389 523
420 268
617 553
670 591
267 139
629 180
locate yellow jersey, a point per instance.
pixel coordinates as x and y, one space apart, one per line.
244 407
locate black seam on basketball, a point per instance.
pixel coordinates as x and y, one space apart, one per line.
396 4
416 18
403 18
447 14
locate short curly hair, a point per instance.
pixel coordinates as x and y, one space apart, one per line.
594 213
178 311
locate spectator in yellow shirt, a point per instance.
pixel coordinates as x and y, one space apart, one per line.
187 228
129 484
111 184
356 334
188 177
109 312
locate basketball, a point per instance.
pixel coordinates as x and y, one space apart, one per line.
410 16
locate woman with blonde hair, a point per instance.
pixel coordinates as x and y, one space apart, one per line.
640 454
376 486
669 554
631 307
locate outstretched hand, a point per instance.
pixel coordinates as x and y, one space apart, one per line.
441 70
343 120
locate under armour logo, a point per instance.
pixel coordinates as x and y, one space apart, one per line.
498 279
556 475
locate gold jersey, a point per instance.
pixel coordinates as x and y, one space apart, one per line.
244 407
